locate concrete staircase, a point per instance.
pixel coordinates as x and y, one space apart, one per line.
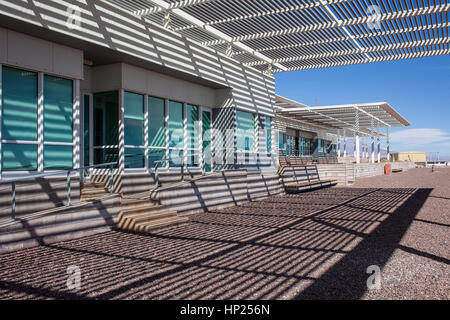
143 214
93 191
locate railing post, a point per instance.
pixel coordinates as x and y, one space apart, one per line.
203 166
13 201
156 176
111 181
69 202
182 170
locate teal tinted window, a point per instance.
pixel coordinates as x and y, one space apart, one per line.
58 96
245 130
57 157
175 124
156 129
268 127
106 119
19 101
134 119
192 158
18 157
134 158
156 155
86 129
281 141
106 155
192 126
175 158
206 126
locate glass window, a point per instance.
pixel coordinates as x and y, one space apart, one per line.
245 130
58 100
175 124
156 155
268 127
106 155
19 101
57 157
206 126
192 158
106 119
17 157
281 145
156 129
86 116
134 158
192 126
175 158
134 119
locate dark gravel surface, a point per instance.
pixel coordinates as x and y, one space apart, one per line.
314 245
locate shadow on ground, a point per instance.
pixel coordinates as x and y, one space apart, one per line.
314 245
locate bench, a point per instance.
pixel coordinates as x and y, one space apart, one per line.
314 181
397 170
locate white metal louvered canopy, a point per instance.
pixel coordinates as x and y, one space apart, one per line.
285 35
338 117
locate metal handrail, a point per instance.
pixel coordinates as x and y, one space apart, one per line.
59 172
165 158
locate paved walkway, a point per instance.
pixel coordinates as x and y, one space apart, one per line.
309 246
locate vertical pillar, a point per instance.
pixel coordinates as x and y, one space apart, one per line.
388 151
40 116
76 124
121 132
1 108
372 140
166 126
91 130
357 146
339 145
146 133
378 144
364 152
185 136
366 140
345 144
201 157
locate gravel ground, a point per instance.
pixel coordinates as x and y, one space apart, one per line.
315 245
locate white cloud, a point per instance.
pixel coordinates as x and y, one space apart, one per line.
421 136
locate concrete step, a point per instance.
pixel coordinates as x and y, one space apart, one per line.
137 210
92 184
132 201
160 223
94 197
129 223
90 191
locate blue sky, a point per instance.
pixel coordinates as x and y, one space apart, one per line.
419 89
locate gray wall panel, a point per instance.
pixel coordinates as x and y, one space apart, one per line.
20 50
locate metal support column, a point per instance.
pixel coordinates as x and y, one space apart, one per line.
388 151
378 144
357 146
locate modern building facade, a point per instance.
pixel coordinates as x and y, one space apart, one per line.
101 94
150 83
